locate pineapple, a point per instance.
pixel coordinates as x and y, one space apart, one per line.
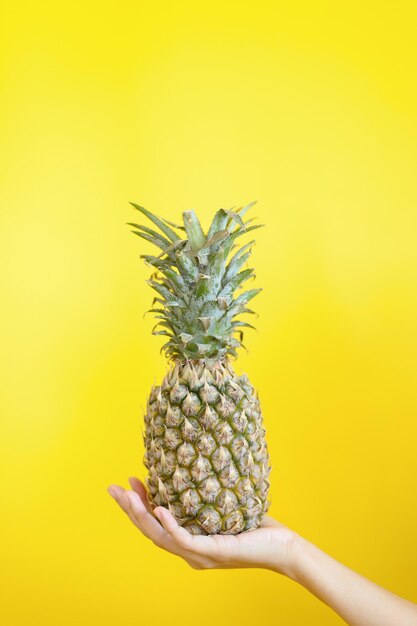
205 448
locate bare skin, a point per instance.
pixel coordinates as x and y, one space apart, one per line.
273 546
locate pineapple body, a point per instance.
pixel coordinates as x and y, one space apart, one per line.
206 452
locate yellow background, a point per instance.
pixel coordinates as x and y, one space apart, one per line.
308 107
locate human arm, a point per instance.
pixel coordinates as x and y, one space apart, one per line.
357 600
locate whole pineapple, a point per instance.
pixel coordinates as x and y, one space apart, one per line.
206 452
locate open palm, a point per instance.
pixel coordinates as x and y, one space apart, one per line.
268 546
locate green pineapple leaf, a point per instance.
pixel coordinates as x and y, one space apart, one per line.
194 231
157 221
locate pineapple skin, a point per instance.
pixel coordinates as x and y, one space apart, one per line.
205 449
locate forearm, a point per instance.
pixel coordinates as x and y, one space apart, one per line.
356 599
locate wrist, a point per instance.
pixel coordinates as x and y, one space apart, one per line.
286 556
295 563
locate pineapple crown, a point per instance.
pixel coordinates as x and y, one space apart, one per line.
196 280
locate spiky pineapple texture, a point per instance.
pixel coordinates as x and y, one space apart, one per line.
206 452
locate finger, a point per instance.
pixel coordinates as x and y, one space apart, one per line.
138 486
168 521
270 522
117 493
135 509
133 506
154 530
181 536
145 521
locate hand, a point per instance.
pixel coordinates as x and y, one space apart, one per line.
270 546
275 547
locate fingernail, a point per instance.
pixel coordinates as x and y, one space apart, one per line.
112 491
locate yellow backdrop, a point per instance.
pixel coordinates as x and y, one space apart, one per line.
308 107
